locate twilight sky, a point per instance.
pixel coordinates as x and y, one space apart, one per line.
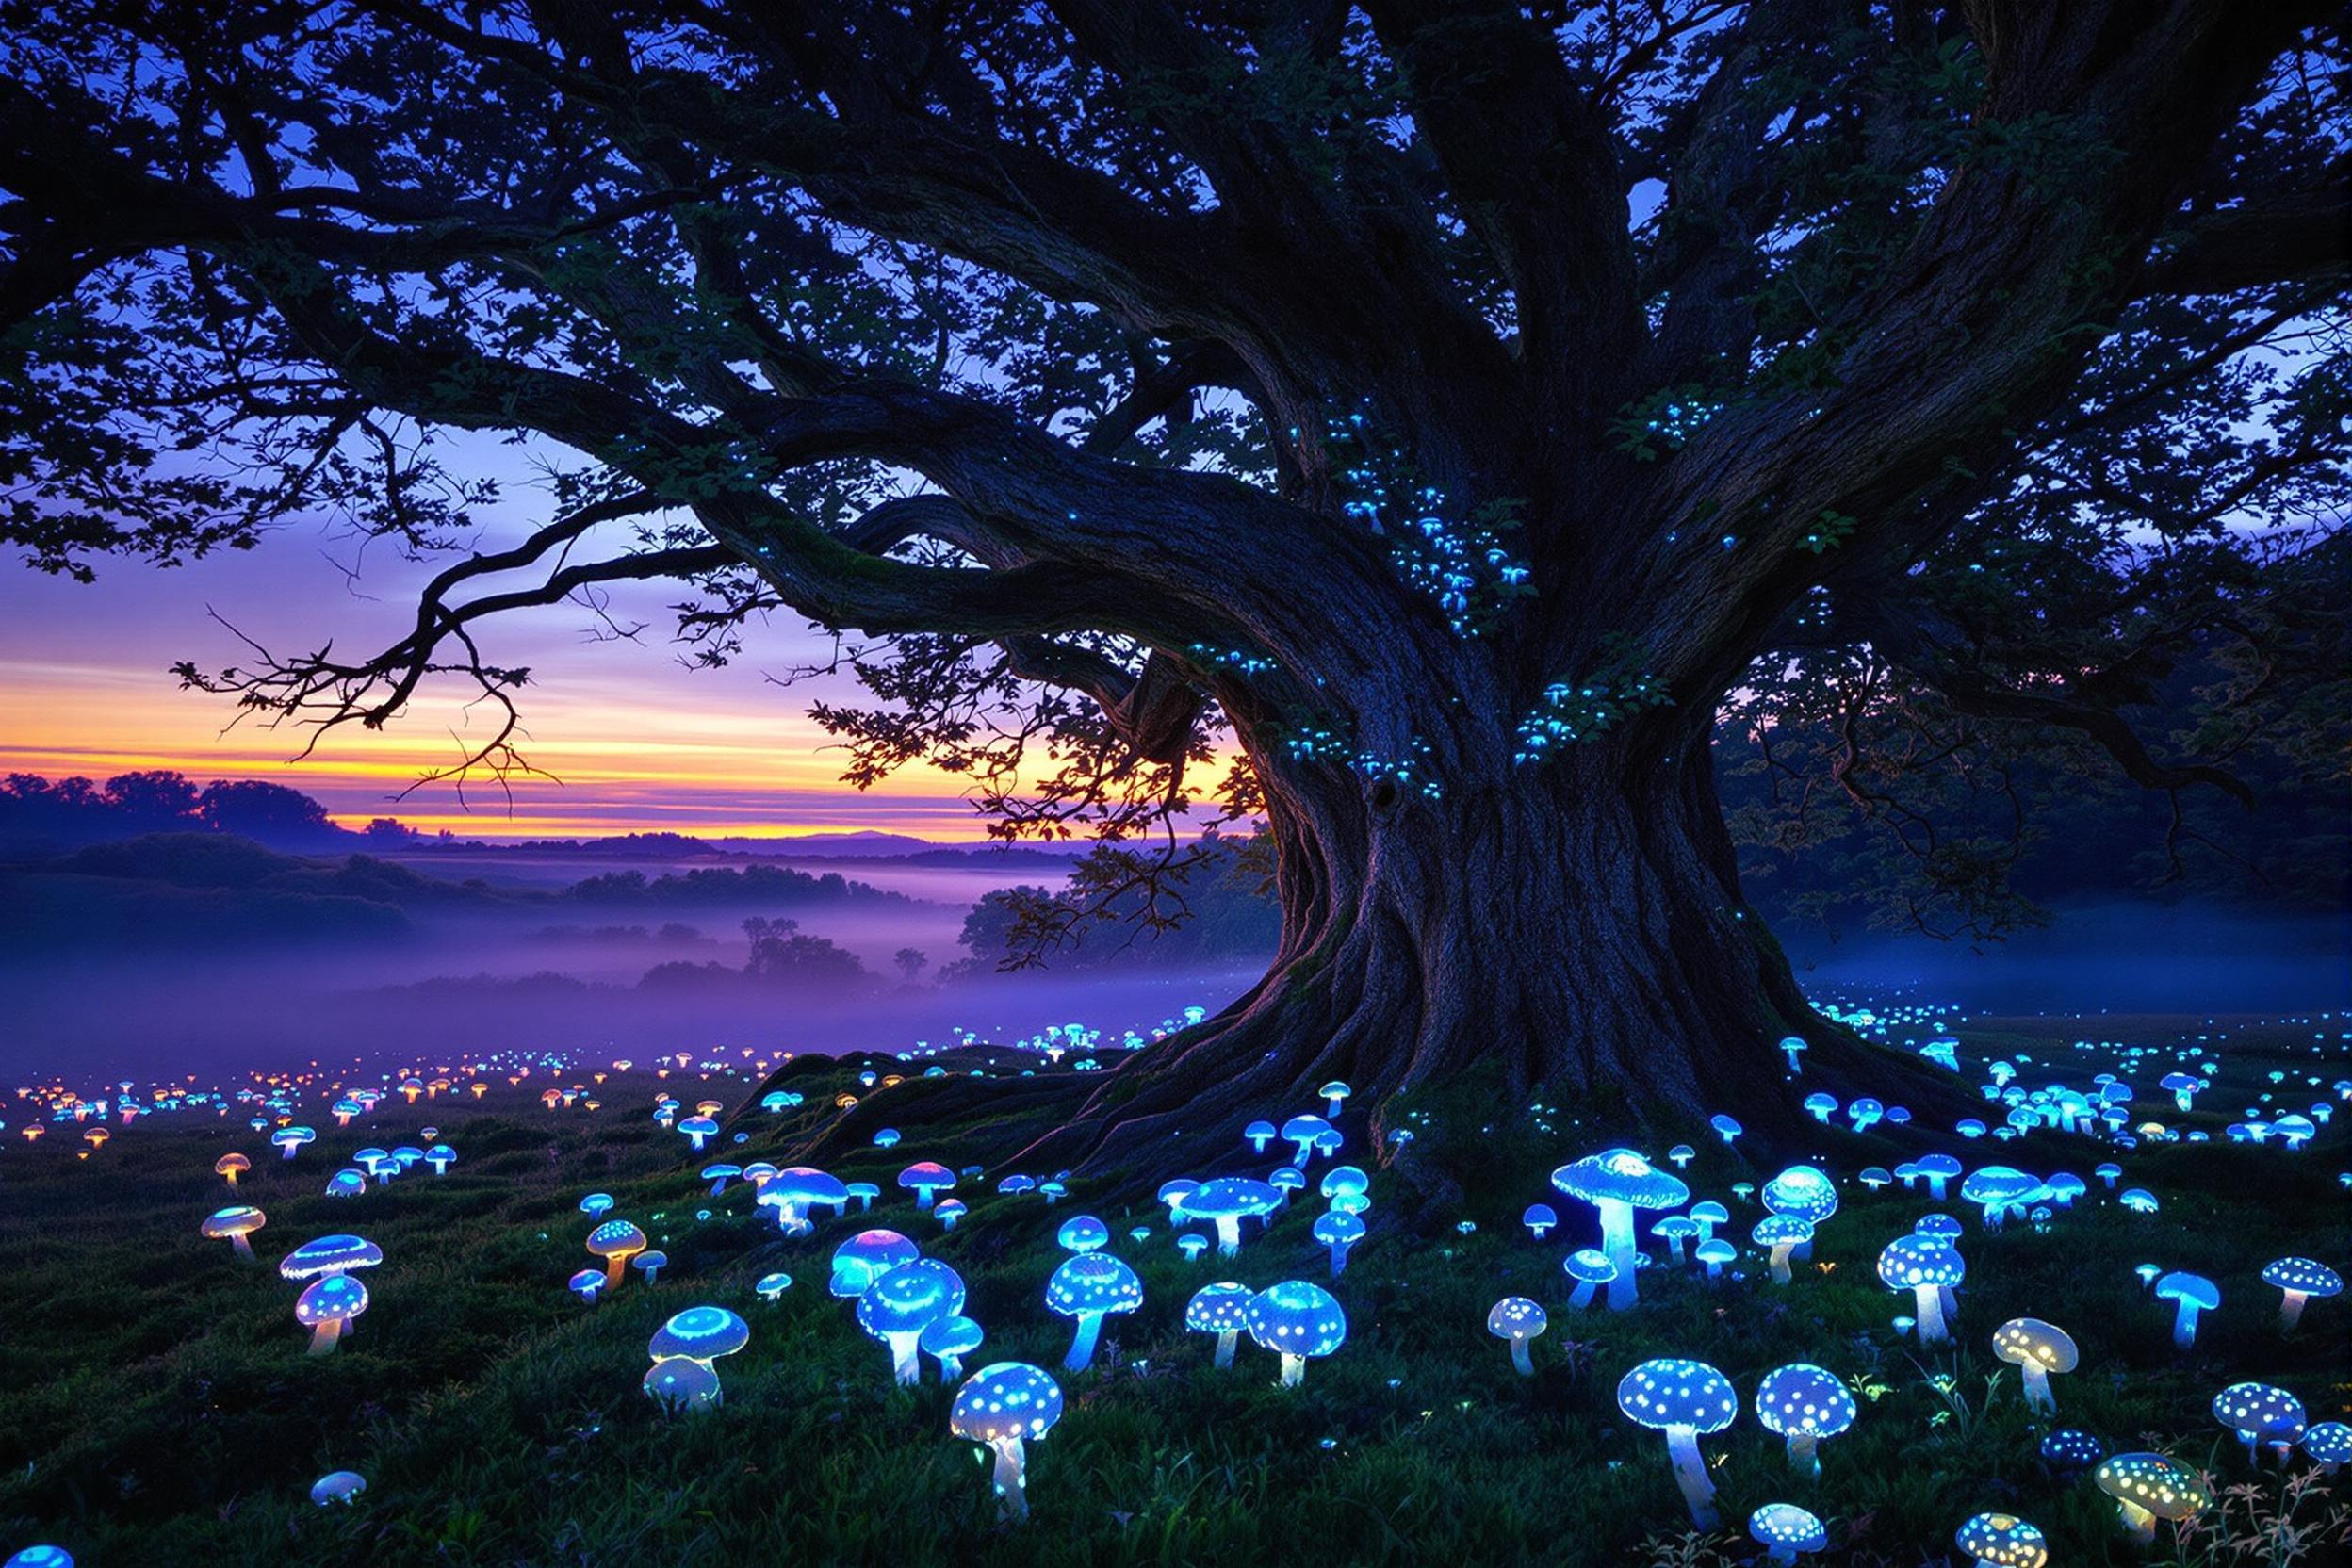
638 740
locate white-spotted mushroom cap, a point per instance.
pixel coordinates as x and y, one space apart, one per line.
337 1255
1785 1527
1670 1391
1803 1191
1221 1308
867 1257
1515 1318
2028 1339
699 1334
1007 1400
2072 1449
330 1298
2160 1485
1620 1176
911 1298
2003 1540
1231 1196
1942 1226
1083 1233
1336 1229
1803 1400
1909 1262
1296 1318
2307 1275
1781 1230
2260 1413
2328 1443
1093 1282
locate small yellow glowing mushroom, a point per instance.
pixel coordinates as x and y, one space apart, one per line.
2149 1487
2036 1349
231 1166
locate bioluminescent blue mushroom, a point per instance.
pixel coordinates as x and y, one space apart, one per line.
1285 1179
440 1156
1338 1232
336 1486
2261 1414
1681 1155
1784 1531
616 1241
1086 1287
336 1254
1998 1190
1335 1094
1538 1220
2138 1199
902 1303
2191 1294
701 1129
1713 1253
2299 1279
699 1334
867 1257
1616 1182
2328 1444
773 1286
1342 1183
926 1178
1802 1191
290 1139
1804 1404
1706 1213
233 1225
346 1183
1683 1399
1793 1046
1221 1309
1192 1245
2036 1349
587 1284
650 1263
1725 1128
1297 1320
948 1211
886 1137
1173 1194
1926 1267
1260 1134
1006 1405
1821 1106
1875 1177
596 1205
683 1385
1302 1131
2070 1450
1674 1231
2002 1540
718 1174
2149 1487
1591 1268
1083 1233
1225 1203
327 1306
1781 1235
865 1192
1938 1170
792 1191
1518 1320
948 1340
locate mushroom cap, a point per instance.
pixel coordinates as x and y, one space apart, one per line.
1589 1265
1803 1191
1675 1225
2072 1449
682 1384
1787 1526
1671 1391
336 1486
801 1186
330 1298
334 1254
1220 1308
1307 1127
1515 1318
2164 1486
1229 1197
1259 1129
2307 1275
1345 1178
1171 1191
1940 1226
2003 1540
1708 1210
2260 1410
1910 1262
1715 1249
2028 1339
616 1238
1937 1165
1083 1233
718 1168
1999 1183
1297 1318
1335 1090
702 1124
1803 1400
699 1334
347 1182
1337 1229
2328 1441
588 1280
237 1220
910 1298
926 1173
868 1256
773 1285
1539 1214
2195 1288
1007 1400
1093 1282
1781 1230
1619 1176
951 1335
227 1163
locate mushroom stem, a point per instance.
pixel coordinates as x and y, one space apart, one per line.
1012 1487
1617 1241
323 1335
1225 1347
1930 1314
903 1359
2138 1521
2184 1325
612 1266
1339 1258
1780 1262
951 1368
1805 1455
1947 1300
1082 1346
1228 1234
244 1248
922 1198
1294 1368
1682 1446
1519 1358
1580 1296
2290 1305
2037 1394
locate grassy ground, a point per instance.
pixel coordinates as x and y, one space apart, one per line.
157 1406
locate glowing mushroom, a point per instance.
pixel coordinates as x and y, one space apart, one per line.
1087 1287
899 1306
1781 1234
1297 1320
229 1166
948 1340
336 1486
2149 1487
616 1241
2191 1294
2300 1279
1926 1267
926 1177
2036 1349
2003 1540
866 1257
1221 1309
2261 1414
326 1305
1518 1320
234 1224
1683 1399
1785 1531
1616 1182
1338 1232
1804 1404
1227 1202
1591 1268
1004 1406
